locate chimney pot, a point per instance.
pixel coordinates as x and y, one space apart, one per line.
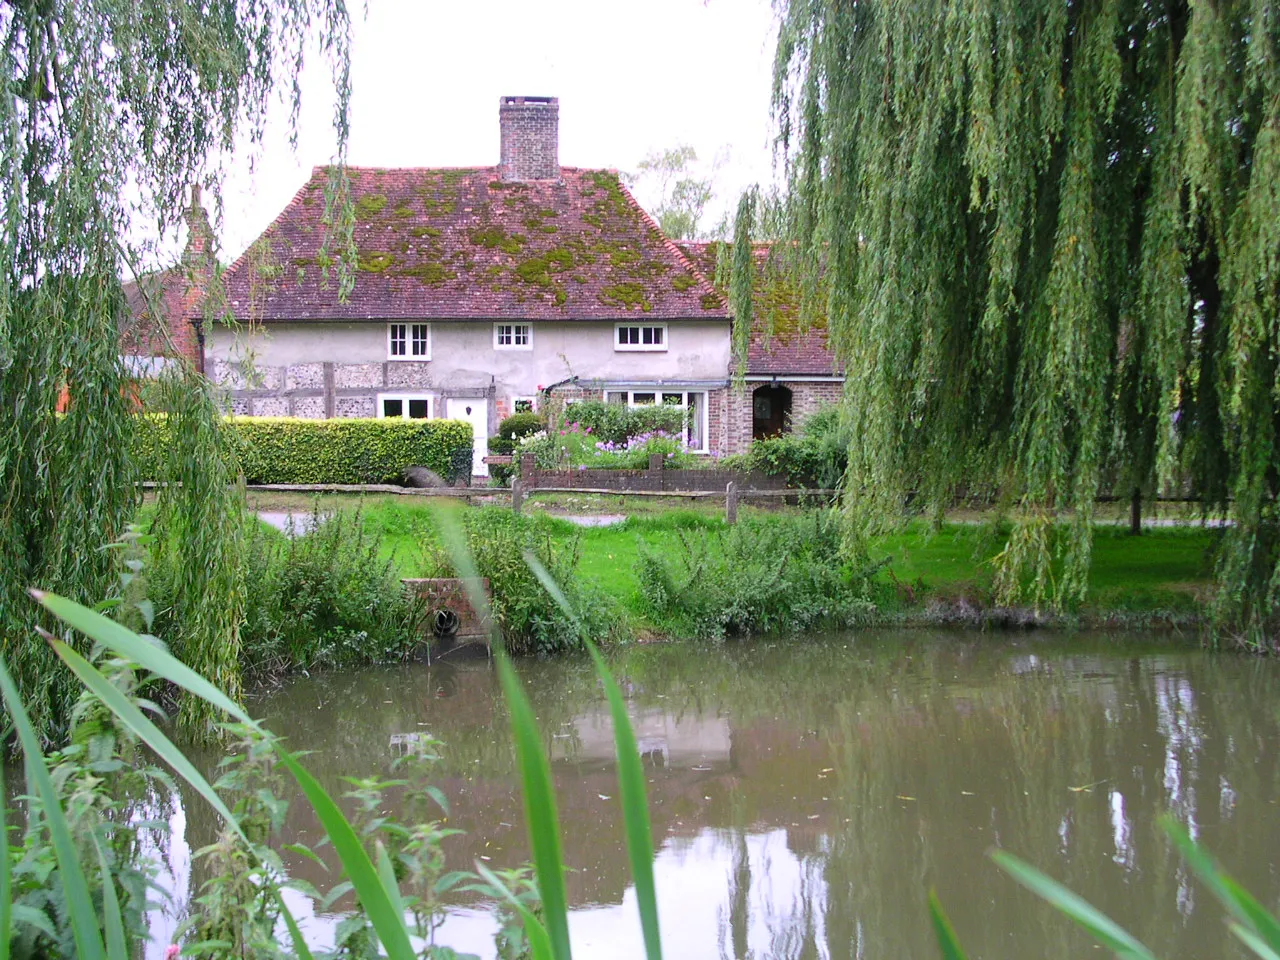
530 129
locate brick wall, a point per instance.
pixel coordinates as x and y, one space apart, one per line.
806 398
530 134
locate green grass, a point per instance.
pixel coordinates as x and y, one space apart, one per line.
1166 569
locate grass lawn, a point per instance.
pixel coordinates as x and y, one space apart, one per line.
1165 569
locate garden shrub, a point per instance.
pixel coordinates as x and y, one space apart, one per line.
530 619
578 446
766 574
340 450
815 455
617 423
323 599
510 432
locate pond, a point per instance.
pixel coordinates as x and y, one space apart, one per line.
806 794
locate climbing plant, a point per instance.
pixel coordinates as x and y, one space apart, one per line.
1049 235
109 110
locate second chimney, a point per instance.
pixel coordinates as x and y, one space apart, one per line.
530 129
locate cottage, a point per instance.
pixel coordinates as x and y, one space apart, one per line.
480 292
476 290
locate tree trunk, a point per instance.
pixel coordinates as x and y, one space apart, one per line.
1135 513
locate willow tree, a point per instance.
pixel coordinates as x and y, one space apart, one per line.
1048 232
110 109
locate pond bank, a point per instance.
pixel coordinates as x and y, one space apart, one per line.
925 578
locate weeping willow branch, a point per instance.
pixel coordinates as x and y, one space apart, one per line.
1050 237
109 110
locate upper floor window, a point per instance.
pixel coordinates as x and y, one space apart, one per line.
409 341
638 337
512 336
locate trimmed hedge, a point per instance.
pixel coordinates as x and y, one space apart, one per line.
292 450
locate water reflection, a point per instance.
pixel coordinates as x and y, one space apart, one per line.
805 795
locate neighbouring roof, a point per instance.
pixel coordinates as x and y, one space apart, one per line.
140 330
788 349
464 244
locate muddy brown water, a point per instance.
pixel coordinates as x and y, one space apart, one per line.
806 794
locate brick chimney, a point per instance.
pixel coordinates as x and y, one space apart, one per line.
186 328
530 138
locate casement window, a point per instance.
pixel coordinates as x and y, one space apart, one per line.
512 336
409 341
406 406
524 404
640 336
692 402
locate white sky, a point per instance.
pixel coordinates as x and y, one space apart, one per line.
631 78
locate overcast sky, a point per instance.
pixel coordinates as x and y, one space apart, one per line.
631 78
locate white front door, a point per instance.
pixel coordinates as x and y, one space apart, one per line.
475 411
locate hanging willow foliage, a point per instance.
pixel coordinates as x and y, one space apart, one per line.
109 109
1049 233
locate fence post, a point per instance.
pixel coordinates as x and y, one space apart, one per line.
517 496
731 503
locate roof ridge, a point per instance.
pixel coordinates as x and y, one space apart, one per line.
671 245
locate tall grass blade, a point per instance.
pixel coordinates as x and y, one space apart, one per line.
146 731
1238 902
1101 927
84 919
948 943
387 873
388 924
387 921
635 809
116 948
6 881
132 647
539 809
1255 943
153 737
539 942
631 779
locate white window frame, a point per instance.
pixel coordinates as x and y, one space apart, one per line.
532 401
411 330
404 398
703 414
640 347
513 345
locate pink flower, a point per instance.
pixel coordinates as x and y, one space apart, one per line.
171 952
562 433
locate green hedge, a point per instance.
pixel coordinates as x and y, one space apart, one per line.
291 450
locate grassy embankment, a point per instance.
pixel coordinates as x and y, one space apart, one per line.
1167 570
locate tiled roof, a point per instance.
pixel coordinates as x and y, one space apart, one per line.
463 244
789 350
141 331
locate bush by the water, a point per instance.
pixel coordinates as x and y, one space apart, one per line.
530 619
813 455
323 599
341 450
766 574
